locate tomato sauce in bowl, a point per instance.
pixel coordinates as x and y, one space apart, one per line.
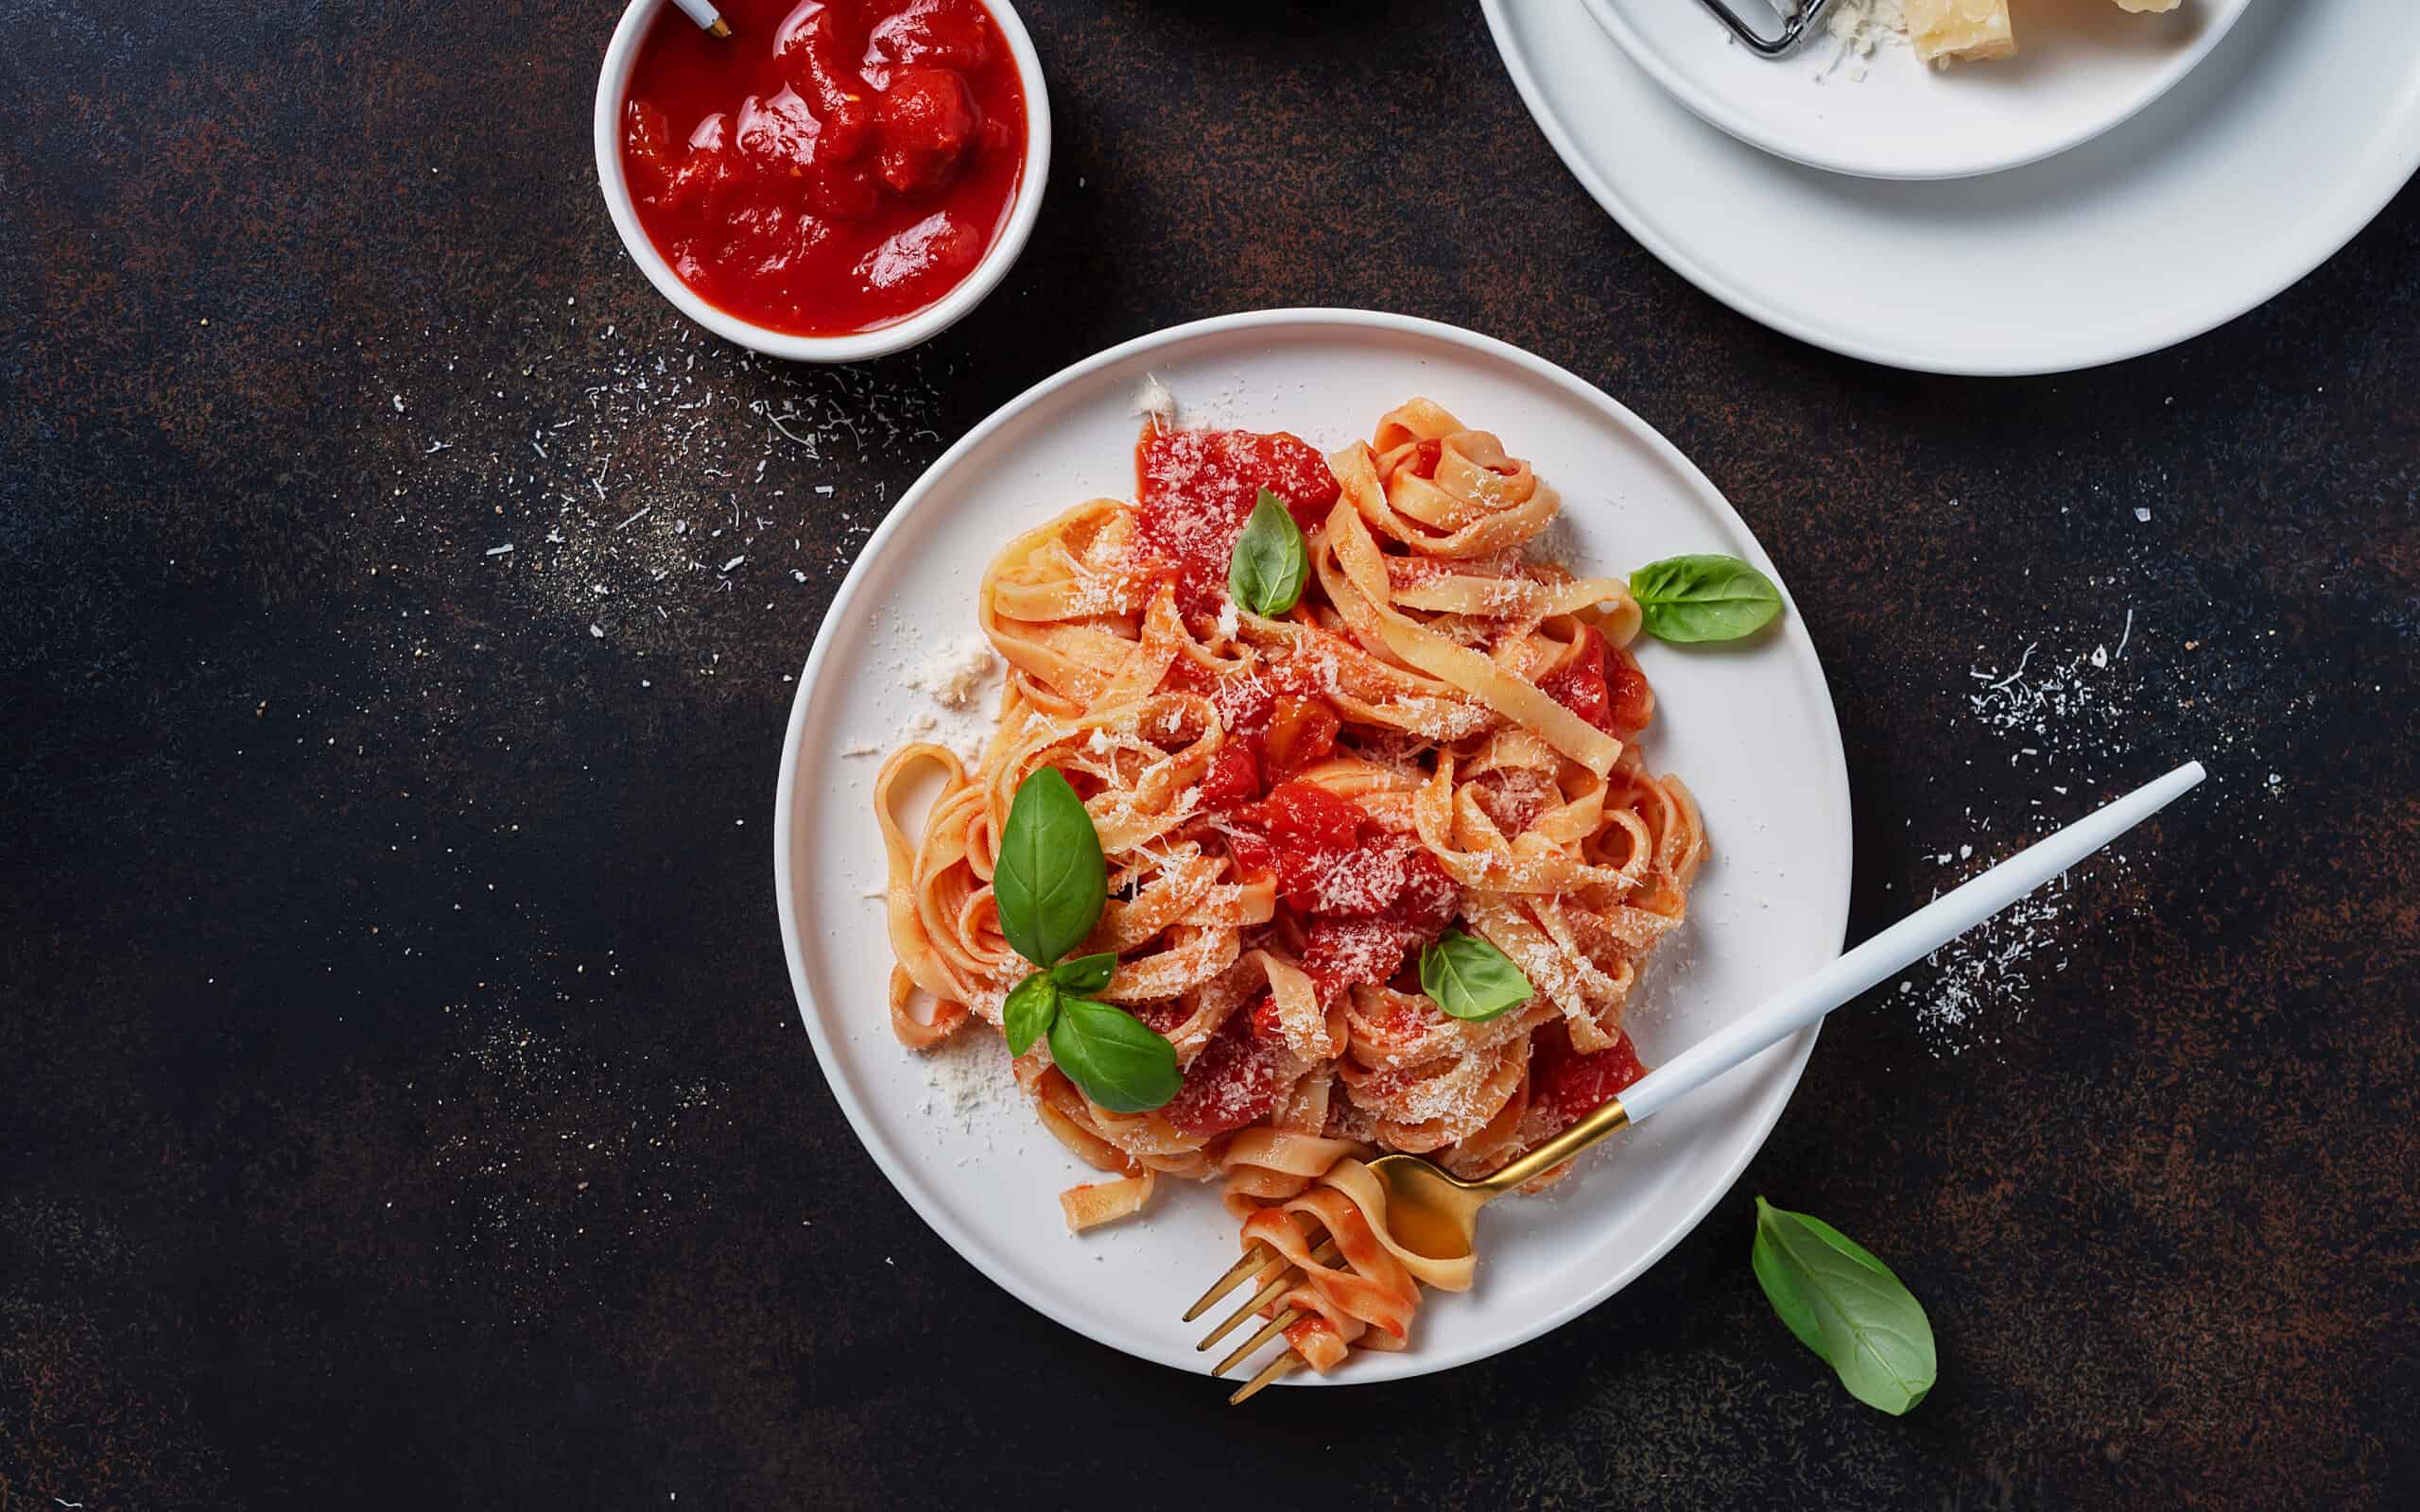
833 167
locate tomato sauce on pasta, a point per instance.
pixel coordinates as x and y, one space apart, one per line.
1442 733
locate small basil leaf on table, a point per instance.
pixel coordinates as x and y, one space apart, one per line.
1703 598
1085 973
1469 978
1266 573
1115 1059
1847 1307
1052 879
1028 1014
1781 1289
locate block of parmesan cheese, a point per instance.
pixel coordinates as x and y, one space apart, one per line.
1969 30
2140 6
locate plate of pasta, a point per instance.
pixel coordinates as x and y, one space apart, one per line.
1241 754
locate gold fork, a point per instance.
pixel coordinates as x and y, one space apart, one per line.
1428 1212
1436 1215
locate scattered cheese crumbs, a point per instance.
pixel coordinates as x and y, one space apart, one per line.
953 673
2143 515
499 551
1861 27
1154 400
862 749
729 565
1228 622
596 629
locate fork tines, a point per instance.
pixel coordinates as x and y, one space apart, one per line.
1284 1365
1259 1262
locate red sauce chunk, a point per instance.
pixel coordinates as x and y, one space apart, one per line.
1604 686
833 167
1369 899
1232 1081
1232 778
1195 489
1568 1083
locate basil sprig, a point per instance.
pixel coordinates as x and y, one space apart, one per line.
1085 973
1121 1062
1703 598
1266 573
1051 880
1846 1306
1050 886
1469 978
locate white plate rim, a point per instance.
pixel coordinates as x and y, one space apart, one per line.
2317 248
1372 1367
1717 111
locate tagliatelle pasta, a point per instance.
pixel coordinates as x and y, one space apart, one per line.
1442 733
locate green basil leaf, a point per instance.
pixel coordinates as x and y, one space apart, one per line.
1266 573
1113 1057
1085 973
1872 1330
1703 598
1051 880
1781 1289
1029 1011
1470 979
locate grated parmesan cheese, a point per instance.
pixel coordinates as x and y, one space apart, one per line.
1153 400
953 673
1859 27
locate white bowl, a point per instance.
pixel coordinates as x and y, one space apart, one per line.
612 89
2083 67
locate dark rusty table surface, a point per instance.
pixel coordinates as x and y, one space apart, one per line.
402 1099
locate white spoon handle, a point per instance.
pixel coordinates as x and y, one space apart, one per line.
1918 934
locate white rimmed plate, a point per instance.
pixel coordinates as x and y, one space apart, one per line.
2082 66
1750 727
2255 169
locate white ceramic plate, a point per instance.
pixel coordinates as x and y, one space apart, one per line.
2082 67
2253 170
1750 727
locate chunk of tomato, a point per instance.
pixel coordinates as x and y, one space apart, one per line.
1231 1082
1305 816
1301 733
1629 702
1232 778
1195 489
1581 685
1569 1084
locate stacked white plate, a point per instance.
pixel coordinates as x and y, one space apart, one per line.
2124 183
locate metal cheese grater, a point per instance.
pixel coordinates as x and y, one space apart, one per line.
1805 13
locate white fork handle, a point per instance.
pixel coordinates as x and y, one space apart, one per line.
1918 934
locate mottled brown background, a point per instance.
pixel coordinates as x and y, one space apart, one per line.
402 1101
